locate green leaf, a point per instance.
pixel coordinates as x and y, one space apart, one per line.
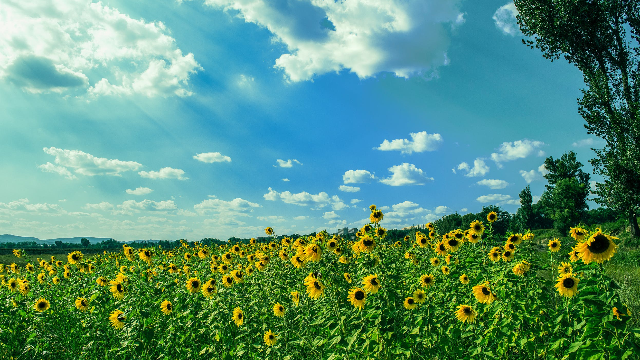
575 346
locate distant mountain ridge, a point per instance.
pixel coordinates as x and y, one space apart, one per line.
72 240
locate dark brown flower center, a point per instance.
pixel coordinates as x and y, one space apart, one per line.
169 307
359 295
599 244
374 282
317 285
271 337
410 301
485 291
42 305
466 310
453 242
568 283
367 242
423 241
507 253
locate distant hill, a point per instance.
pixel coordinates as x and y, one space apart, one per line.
71 240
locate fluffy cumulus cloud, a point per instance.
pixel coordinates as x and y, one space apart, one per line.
212 157
406 174
164 173
519 149
236 206
132 206
89 47
271 219
347 188
505 19
420 142
287 164
320 200
139 191
24 205
441 210
533 175
493 183
499 199
85 164
405 37
357 176
103 206
479 168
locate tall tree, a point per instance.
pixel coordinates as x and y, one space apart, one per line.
567 191
525 212
602 39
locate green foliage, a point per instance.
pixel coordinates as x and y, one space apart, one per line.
592 35
525 212
448 223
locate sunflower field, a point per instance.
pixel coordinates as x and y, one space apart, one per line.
464 294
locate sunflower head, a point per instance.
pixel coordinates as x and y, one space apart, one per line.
270 338
567 285
117 319
238 316
357 298
419 296
426 281
554 245
464 279
492 217
193 285
371 283
41 305
599 248
166 307
82 304
410 303
278 310
465 313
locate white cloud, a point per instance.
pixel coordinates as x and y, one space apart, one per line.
330 215
288 163
493 183
499 199
131 206
212 157
298 218
519 149
285 179
87 46
590 142
357 176
364 36
139 191
464 210
164 173
23 205
86 164
505 19
235 206
271 219
406 174
441 209
543 170
104 206
479 168
304 198
419 142
355 201
347 188
60 170
530 175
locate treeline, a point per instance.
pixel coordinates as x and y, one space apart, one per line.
110 244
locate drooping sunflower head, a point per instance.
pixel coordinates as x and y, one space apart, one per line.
117 289
295 297
599 248
376 216
466 313
41 305
371 283
554 245
357 297
372 207
473 237
492 216
166 307
567 285
315 289
410 303
426 281
268 231
483 293
278 310
117 319
238 316
578 233
574 255
82 304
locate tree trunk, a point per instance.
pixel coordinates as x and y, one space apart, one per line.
633 223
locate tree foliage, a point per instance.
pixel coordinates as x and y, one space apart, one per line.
602 39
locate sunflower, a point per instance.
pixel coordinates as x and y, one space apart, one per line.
441 248
227 257
29 267
426 281
270 338
295 297
495 254
422 241
376 216
483 293
473 237
565 268
75 257
446 270
465 313
297 261
367 243
429 226
209 288
567 285
193 285
238 316
381 232
41 305
371 283
492 216
260 265
579 234
268 231
507 255
419 296
332 244
313 252
82 304
315 289
521 268
435 261
166 307
25 287
41 277
347 277
464 279
515 239
117 289
554 245
476 227
410 303
278 310
357 297
509 246
599 247
55 280
237 276
117 319
617 313
145 254
372 207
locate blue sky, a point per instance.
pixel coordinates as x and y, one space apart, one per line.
218 118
